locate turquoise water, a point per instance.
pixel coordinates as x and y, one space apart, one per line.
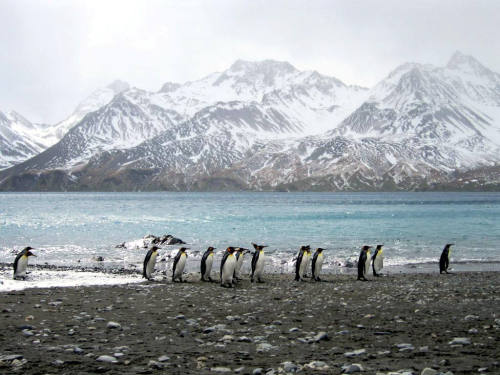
67 227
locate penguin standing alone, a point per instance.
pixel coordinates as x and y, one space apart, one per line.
227 266
149 262
258 262
179 264
364 263
300 263
206 264
21 263
444 260
240 255
378 260
317 264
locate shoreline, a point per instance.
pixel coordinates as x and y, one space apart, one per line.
403 321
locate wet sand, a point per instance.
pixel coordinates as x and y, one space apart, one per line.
450 323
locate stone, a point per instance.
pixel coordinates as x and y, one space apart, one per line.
405 347
460 341
220 369
428 371
107 359
321 336
155 365
244 339
113 325
355 353
163 358
351 369
471 317
257 371
290 367
10 357
264 347
318 365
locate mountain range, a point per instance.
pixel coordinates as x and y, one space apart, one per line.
269 126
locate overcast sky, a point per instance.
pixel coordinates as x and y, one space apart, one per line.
53 53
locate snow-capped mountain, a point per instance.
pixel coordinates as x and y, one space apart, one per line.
92 103
20 139
268 126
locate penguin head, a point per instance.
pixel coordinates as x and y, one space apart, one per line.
258 247
183 249
27 251
230 249
448 245
210 249
155 248
379 247
305 248
366 248
319 250
241 250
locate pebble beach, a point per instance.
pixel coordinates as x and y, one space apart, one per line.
398 324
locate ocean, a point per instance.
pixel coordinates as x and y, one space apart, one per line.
73 229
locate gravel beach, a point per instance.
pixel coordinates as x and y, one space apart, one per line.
403 323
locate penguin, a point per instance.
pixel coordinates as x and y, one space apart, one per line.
307 257
317 264
21 263
149 263
179 264
300 263
378 260
258 262
444 261
240 255
364 263
207 261
227 266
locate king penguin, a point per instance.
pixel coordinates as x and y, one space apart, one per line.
149 262
378 260
206 264
317 264
258 262
179 264
227 265
444 261
364 263
240 255
300 263
21 263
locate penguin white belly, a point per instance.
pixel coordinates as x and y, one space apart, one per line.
208 264
302 268
307 262
239 263
150 267
378 264
228 270
259 267
22 264
318 265
179 269
367 264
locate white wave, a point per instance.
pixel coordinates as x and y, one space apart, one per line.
59 278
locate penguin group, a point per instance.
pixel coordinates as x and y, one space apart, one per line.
233 258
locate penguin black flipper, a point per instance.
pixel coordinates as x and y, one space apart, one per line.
361 266
255 258
374 256
203 265
297 265
176 260
17 260
223 261
146 261
315 257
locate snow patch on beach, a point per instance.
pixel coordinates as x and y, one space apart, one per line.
59 278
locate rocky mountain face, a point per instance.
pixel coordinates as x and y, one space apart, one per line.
269 126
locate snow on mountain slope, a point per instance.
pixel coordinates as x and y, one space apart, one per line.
92 103
457 105
19 139
314 102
